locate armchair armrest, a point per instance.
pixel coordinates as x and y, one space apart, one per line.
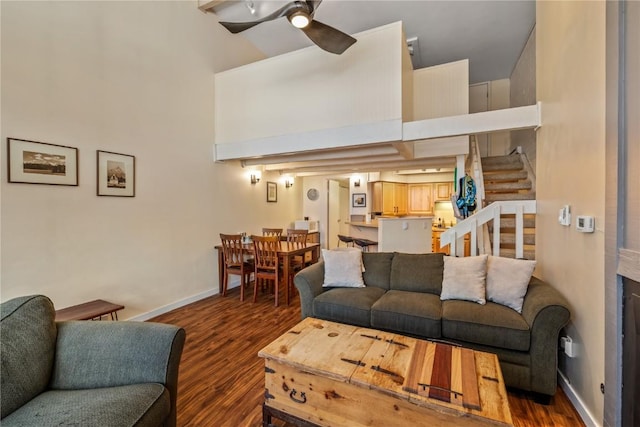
108 354
547 312
309 283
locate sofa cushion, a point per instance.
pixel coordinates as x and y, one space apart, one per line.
490 324
410 313
377 269
342 269
347 305
507 280
464 278
417 272
140 405
28 342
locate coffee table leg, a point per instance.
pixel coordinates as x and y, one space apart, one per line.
266 416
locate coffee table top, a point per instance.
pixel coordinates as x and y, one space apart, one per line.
435 375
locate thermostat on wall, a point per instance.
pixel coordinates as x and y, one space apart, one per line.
585 224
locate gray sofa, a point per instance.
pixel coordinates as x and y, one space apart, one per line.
85 373
402 295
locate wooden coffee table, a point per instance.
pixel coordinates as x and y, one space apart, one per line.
330 374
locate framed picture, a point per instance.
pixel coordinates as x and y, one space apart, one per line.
31 162
116 174
359 200
272 191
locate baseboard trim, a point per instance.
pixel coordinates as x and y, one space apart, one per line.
177 304
587 417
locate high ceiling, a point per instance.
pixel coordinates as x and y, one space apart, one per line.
491 34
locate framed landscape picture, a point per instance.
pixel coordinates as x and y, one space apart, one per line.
272 191
116 174
359 200
31 162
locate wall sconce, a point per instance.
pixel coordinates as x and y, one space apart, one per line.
356 183
288 182
255 178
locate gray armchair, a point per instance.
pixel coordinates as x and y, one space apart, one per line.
85 373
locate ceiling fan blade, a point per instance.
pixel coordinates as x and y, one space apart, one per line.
236 27
328 38
313 5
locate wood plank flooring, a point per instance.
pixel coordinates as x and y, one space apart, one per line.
221 380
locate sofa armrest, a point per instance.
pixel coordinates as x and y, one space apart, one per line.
108 354
309 283
547 312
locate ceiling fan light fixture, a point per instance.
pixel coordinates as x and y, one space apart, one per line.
300 19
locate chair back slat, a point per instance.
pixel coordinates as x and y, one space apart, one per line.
266 252
272 232
232 249
297 238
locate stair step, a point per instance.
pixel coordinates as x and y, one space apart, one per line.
502 163
510 239
507 186
511 253
496 197
505 176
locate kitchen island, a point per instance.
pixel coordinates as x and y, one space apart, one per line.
406 234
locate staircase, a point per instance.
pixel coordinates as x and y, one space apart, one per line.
511 178
506 193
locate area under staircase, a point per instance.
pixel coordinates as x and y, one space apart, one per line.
504 224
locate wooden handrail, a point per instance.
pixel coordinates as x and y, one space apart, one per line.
455 235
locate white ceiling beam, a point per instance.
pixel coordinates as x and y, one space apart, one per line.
405 148
346 160
357 152
322 139
442 147
378 166
467 124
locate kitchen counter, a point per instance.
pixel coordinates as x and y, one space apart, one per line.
372 224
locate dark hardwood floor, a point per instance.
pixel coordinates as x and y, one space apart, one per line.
221 379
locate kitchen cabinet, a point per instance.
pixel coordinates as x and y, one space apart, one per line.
435 243
390 198
420 199
442 191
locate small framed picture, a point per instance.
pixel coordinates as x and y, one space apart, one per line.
31 162
359 200
272 191
116 174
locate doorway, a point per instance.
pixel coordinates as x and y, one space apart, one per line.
338 211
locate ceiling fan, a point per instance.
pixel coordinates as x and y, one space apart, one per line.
300 14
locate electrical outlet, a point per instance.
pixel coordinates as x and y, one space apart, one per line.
570 348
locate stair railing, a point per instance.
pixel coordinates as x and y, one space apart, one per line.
455 235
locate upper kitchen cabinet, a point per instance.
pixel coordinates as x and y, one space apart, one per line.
390 198
443 191
421 199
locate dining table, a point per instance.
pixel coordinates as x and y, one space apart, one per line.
286 252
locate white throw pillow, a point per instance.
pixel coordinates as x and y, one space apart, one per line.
352 249
464 278
342 269
508 280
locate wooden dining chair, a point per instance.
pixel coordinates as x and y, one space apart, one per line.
272 232
267 268
236 262
297 239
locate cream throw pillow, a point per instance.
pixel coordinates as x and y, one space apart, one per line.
342 269
464 278
508 280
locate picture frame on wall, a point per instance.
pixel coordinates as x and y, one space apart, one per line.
32 162
272 192
116 174
359 200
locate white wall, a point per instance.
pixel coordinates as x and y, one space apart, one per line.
134 78
570 69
